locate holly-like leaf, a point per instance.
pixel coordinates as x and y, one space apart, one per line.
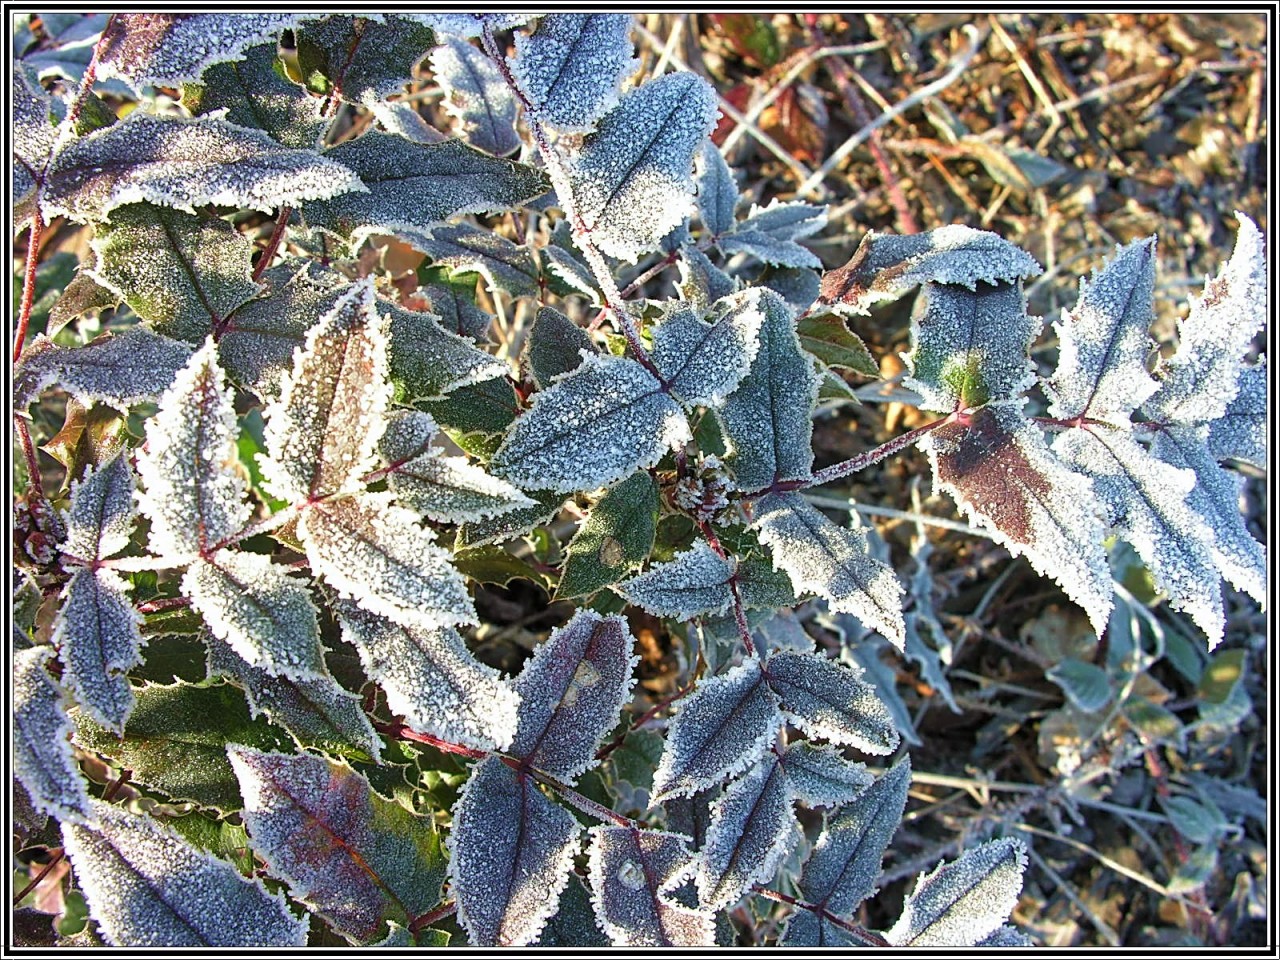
827 337
122 369
1102 361
829 701
82 297
717 191
722 728
555 346
1006 480
767 420
428 361
1145 501
770 233
632 181
696 582
510 855
476 96
631 874
616 537
571 692
176 162
574 924
456 310
42 757
571 66
361 59
360 861
464 248
194 493
432 680
322 433
821 777
99 520
752 828
831 561
568 274
594 427
34 135
467 25
138 878
98 640
884 267
963 901
1241 432
376 553
806 928
181 273
514 523
416 186
701 281
704 362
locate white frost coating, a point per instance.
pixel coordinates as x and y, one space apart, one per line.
464 247
1241 432
717 191
1146 502
1105 340
1199 381
571 67
722 728
770 233
693 583
432 680
752 828
33 135
961 902
183 163
643 915
704 362
828 701
428 361
821 777
596 426
254 95
147 887
322 434
100 518
511 852
42 757
632 181
98 638
467 25
266 615
194 492
832 562
477 96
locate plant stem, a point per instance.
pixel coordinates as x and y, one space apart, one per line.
28 280
432 916
88 79
273 242
29 452
644 718
869 937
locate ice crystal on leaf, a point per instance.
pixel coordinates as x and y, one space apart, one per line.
821 777
42 757
428 361
770 233
467 249
100 518
476 96
34 136
828 701
717 191
362 58
467 25
98 639
555 346
1241 432
703 362
694 583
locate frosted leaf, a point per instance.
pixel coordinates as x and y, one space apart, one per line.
831 561
1241 432
970 347
362 59
808 929
145 49
1146 503
767 249
318 712
1006 936
513 523
1006 480
147 887
82 297
1216 499
258 342
964 901
322 433
510 855
723 727
195 490
821 777
33 135
468 25
704 362
555 346
476 96
254 92
183 274
69 45
701 281
829 701
593 427
1199 381
693 583
632 180
42 757
376 553
415 186
98 639
456 312
884 267
176 162
359 860
631 872
1102 360
100 518
843 868
717 191
752 829
571 67
446 489
464 248
571 692
574 924
769 234
403 120
428 361
615 538
266 615
798 286
574 275
121 370
767 420
432 680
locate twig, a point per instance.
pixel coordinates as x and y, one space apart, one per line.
433 916
1107 934
29 280
868 937
29 452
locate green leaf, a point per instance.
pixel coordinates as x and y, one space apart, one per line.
514 523
615 538
428 361
827 337
361 60
464 248
121 369
1153 722
1222 675
478 411
1087 686
555 346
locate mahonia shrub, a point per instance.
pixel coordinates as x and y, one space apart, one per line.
291 468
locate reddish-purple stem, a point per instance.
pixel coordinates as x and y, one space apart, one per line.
869 936
640 721
29 452
28 280
273 242
432 916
